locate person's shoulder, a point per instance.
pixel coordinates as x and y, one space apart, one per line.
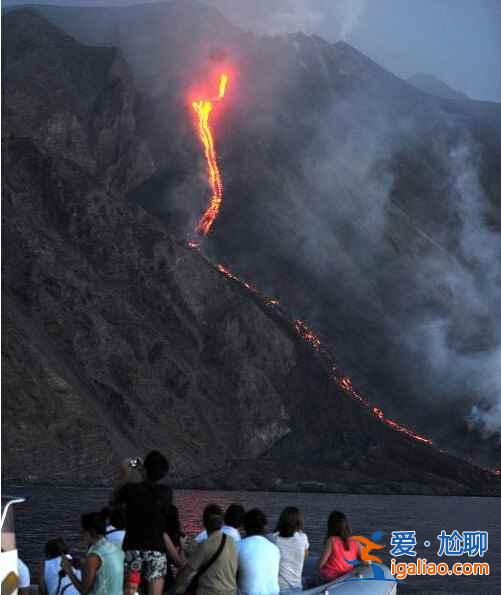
302 537
245 544
271 546
233 544
232 532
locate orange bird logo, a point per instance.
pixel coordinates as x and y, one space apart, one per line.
367 546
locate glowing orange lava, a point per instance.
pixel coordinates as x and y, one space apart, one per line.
307 334
203 109
345 383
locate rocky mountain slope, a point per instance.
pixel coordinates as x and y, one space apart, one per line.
370 208
118 337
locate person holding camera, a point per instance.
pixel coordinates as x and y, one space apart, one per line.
147 509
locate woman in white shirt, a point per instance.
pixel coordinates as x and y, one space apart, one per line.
293 544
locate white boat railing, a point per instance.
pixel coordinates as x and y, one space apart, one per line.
8 556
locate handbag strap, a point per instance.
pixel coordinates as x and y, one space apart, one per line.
204 567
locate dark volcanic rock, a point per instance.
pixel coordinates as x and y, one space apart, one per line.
117 338
75 104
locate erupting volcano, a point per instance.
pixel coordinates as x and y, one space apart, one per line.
203 109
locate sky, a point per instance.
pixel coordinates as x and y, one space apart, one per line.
458 41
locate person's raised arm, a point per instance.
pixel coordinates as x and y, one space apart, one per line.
89 572
325 554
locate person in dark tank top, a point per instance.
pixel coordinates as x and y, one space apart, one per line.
146 508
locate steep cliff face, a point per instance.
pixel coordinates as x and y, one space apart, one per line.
117 338
77 105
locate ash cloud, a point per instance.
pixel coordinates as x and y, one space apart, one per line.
446 306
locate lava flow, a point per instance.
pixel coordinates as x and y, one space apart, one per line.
268 300
203 109
345 383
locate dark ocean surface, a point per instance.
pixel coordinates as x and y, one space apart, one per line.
52 512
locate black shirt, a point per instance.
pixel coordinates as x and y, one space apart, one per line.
146 507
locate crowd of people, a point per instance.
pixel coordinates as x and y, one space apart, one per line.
136 545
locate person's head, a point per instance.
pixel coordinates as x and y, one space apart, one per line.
55 548
338 526
234 516
213 518
290 521
156 466
93 526
131 470
255 522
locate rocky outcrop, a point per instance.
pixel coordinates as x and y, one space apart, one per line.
75 103
117 339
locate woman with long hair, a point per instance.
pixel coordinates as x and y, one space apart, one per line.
293 544
340 551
